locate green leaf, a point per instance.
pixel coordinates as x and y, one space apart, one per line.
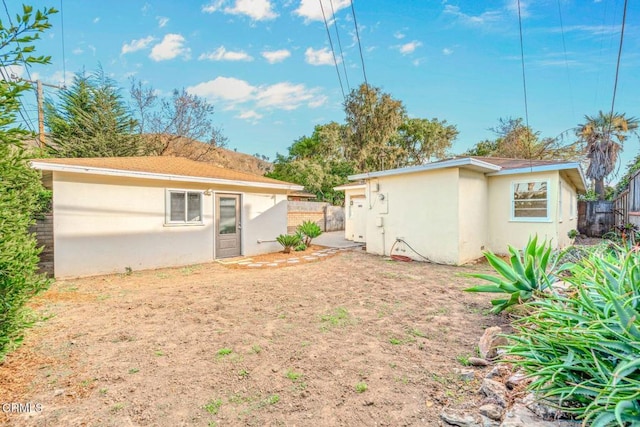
485 288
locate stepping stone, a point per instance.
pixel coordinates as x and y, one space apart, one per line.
272 264
292 261
245 263
309 258
255 265
321 255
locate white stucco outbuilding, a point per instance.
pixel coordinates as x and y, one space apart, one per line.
451 211
110 214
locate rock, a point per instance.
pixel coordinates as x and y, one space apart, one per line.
490 341
492 411
460 419
465 374
488 422
477 361
58 392
516 379
542 410
520 416
494 390
498 371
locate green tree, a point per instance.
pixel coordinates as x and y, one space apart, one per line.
515 140
603 137
421 140
316 162
21 193
372 120
92 120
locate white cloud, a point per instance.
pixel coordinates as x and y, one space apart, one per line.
410 47
213 6
287 96
96 19
310 10
162 21
485 18
257 10
447 51
12 70
233 92
77 51
225 88
319 57
171 46
136 45
398 35
222 54
250 115
274 56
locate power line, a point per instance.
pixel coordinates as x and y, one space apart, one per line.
333 52
64 61
524 77
615 84
335 25
566 59
355 23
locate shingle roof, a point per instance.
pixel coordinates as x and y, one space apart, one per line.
177 166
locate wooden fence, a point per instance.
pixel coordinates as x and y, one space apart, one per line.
328 217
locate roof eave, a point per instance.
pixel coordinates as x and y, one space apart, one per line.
581 185
466 161
160 176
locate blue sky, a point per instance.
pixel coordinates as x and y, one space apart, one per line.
267 67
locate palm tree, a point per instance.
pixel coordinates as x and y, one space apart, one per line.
603 136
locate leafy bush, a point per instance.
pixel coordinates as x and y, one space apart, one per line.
525 274
572 234
582 349
288 241
301 247
21 196
310 230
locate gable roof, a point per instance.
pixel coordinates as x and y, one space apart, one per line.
161 167
491 166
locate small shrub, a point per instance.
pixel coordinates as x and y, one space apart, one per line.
525 274
573 233
213 406
361 387
288 241
310 230
224 352
301 247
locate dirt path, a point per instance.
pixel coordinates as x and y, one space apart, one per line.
348 340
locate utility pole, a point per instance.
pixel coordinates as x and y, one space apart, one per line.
40 98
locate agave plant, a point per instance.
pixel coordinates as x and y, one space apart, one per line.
583 350
288 241
525 274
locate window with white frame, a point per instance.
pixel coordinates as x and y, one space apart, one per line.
530 201
184 207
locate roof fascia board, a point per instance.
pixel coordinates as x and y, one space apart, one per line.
159 176
467 161
350 187
545 168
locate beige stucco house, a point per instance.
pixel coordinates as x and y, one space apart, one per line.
110 214
452 210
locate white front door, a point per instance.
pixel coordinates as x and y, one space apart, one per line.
359 219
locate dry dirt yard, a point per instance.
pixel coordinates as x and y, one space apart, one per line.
348 340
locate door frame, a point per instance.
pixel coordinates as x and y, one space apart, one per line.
215 220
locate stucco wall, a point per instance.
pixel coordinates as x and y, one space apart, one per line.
264 218
473 218
503 230
422 208
105 224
